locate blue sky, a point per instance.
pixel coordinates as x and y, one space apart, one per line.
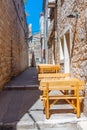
33 9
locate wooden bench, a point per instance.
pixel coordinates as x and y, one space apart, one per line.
73 99
52 76
48 68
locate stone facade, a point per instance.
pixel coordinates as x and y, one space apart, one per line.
50 11
42 37
72 32
46 23
13 45
35 50
77 28
69 34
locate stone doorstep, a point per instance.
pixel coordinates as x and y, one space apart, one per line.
82 125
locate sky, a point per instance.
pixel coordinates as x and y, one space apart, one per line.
33 9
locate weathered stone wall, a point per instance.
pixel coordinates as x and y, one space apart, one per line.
13 47
53 47
79 46
50 55
78 25
57 53
35 50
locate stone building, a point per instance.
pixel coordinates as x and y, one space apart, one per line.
29 44
67 37
35 50
46 15
72 37
50 31
13 43
42 37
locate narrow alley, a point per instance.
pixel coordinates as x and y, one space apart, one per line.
43 65
17 98
22 109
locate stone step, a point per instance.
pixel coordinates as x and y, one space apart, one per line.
51 129
82 125
67 126
27 87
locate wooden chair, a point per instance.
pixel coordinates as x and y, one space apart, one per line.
73 99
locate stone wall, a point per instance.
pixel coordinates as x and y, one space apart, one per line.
50 59
79 45
78 57
13 47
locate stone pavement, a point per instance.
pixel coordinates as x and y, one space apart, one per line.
21 109
26 80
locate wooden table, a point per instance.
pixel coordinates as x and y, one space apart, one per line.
73 84
48 68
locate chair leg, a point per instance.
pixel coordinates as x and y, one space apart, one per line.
47 109
44 101
78 108
47 104
78 103
74 101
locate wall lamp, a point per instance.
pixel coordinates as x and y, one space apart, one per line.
71 15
